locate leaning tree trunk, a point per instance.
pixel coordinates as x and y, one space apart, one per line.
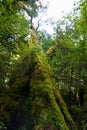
48 108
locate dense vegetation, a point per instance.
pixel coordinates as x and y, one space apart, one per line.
32 78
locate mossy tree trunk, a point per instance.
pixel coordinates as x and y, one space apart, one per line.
48 110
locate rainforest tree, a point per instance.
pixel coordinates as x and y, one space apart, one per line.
31 98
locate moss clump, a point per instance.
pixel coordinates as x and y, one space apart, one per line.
51 51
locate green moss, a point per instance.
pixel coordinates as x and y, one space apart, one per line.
51 51
64 110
